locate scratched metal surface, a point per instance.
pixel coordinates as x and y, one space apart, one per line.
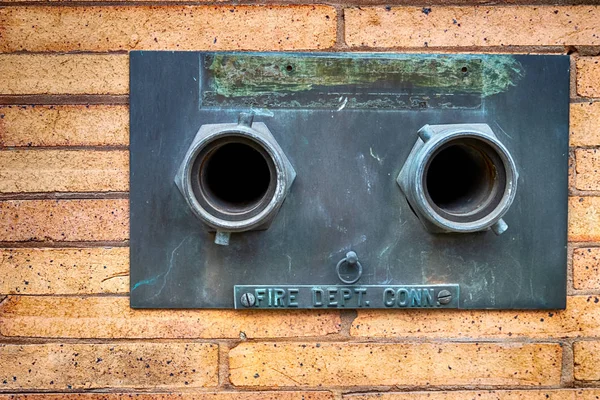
347 136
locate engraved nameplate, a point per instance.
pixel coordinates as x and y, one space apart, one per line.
355 296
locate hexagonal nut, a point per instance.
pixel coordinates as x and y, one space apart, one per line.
235 177
459 178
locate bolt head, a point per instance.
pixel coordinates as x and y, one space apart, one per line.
444 296
248 299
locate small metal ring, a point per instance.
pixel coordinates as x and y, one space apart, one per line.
349 282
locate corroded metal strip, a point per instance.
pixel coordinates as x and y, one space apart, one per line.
390 82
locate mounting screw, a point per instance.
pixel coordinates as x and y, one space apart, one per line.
444 297
248 300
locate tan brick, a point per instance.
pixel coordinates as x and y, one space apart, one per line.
68 125
271 395
63 171
587 166
548 394
64 74
584 219
64 271
64 220
586 394
111 317
588 76
581 318
411 364
585 124
586 268
586 358
96 366
465 26
92 28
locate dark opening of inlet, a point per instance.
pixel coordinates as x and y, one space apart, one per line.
460 178
235 177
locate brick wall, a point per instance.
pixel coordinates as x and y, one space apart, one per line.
65 322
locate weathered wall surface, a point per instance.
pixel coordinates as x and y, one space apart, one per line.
65 323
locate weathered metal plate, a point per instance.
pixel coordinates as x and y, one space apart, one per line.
347 135
356 296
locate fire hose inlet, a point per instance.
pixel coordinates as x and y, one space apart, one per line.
459 178
235 177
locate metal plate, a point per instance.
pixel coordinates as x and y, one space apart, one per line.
347 134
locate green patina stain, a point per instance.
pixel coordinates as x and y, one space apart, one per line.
500 73
251 75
